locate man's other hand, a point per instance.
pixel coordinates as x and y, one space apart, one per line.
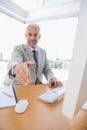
55 82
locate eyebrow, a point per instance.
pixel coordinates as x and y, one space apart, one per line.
33 34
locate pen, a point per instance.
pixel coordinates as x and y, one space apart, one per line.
7 94
15 94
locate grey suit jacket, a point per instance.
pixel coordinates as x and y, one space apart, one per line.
23 53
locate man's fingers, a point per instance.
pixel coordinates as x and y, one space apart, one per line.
51 83
26 71
25 75
22 73
59 83
21 79
24 80
55 83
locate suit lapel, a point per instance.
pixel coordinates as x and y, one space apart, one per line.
28 53
39 60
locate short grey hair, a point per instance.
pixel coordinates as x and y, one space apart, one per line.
34 25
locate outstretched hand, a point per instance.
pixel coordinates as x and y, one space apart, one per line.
22 72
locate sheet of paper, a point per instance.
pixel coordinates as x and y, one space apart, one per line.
7 97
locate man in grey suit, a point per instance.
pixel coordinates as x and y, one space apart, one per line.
29 61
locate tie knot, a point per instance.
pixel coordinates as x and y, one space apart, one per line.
34 51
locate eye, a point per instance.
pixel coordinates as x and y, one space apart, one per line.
30 34
35 35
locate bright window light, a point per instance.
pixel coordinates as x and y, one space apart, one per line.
55 2
27 4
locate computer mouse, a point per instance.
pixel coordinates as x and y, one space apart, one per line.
21 106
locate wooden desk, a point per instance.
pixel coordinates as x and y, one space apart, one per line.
39 115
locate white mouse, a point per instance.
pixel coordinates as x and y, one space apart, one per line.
21 106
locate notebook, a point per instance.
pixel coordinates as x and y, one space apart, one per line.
7 97
53 95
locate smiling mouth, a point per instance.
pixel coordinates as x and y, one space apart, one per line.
33 41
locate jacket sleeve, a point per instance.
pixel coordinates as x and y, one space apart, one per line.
16 57
47 70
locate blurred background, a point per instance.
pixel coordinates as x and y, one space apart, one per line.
58 30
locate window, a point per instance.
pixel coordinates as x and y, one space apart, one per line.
58 36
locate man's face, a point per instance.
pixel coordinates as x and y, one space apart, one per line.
32 35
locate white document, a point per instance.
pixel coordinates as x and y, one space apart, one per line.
7 97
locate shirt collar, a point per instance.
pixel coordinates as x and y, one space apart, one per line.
33 48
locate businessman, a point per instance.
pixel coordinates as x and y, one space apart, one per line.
29 61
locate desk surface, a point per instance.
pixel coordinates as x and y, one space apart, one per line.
39 115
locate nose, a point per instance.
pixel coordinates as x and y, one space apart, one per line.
32 38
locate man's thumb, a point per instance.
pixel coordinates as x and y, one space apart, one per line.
30 63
